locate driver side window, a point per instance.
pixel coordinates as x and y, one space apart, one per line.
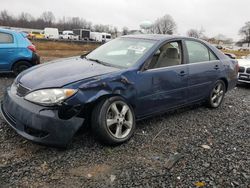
167 55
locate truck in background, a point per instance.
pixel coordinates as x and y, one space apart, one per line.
51 33
69 35
100 37
84 34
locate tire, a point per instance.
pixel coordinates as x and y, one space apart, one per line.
121 125
20 66
217 94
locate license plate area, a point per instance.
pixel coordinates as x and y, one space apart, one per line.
244 76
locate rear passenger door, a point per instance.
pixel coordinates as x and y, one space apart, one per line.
7 50
204 69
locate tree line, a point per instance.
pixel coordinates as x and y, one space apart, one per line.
47 19
163 25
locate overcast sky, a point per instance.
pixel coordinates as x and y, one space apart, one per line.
215 16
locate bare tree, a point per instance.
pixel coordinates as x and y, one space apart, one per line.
245 32
24 20
48 17
114 32
102 28
193 33
125 30
164 25
6 18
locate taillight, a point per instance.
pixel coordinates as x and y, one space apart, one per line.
32 48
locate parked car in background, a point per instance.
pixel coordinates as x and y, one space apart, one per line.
100 37
35 35
51 33
127 79
17 53
230 55
244 70
219 47
69 35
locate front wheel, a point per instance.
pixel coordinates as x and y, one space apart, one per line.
217 94
113 121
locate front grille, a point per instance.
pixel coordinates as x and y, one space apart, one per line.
21 90
242 69
248 70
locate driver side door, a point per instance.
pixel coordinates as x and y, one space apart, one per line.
162 85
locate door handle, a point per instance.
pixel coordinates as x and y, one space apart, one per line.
182 73
216 67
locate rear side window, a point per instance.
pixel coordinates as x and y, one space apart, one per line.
212 56
198 52
6 38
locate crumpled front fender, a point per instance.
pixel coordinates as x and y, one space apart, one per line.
95 88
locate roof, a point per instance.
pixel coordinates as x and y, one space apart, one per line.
158 37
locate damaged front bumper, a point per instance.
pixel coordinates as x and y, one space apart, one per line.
37 123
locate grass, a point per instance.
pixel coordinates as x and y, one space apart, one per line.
53 45
62 49
239 54
60 53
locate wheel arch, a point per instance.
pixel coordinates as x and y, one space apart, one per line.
225 82
91 104
20 60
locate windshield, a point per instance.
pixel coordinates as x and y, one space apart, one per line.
122 52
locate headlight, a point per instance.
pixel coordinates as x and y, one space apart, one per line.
50 96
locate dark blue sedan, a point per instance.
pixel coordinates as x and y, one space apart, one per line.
127 79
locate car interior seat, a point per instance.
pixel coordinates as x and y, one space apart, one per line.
168 57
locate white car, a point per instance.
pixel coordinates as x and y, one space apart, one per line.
244 70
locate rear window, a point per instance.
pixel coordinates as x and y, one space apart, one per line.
198 52
6 38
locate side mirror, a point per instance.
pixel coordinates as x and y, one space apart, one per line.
84 55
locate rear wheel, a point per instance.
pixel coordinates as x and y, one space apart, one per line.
21 66
113 121
217 94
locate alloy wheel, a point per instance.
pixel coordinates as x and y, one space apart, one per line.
217 94
119 119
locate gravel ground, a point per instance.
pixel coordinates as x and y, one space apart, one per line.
191 147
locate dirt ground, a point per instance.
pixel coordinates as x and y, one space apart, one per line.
49 50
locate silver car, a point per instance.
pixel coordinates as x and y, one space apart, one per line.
244 70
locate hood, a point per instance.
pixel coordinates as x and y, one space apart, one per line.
244 62
62 72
